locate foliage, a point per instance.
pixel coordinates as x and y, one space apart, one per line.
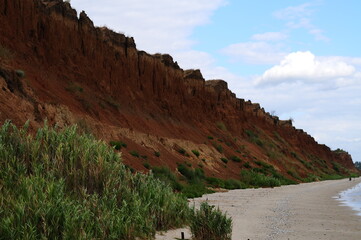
195 152
118 144
157 154
227 184
256 179
195 185
331 177
73 87
221 126
166 175
339 150
210 137
58 184
134 153
182 151
247 165
20 73
254 138
146 165
209 223
194 190
235 159
225 160
219 148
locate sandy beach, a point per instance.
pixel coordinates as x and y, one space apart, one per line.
299 212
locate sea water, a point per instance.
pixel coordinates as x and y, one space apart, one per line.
352 198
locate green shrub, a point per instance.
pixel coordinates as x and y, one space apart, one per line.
117 145
134 153
257 179
20 73
157 154
210 137
233 184
247 165
331 177
294 174
191 175
225 160
235 159
221 126
311 178
182 151
61 185
195 152
209 223
215 182
166 175
254 138
194 190
147 165
219 148
73 87
187 172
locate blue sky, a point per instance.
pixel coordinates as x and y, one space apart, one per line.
300 59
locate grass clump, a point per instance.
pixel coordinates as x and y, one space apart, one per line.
235 159
195 181
157 154
182 151
20 73
225 160
147 165
256 179
221 126
219 148
254 138
134 153
247 165
166 175
74 87
209 223
59 184
196 152
117 145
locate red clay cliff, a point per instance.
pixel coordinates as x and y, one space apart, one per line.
57 66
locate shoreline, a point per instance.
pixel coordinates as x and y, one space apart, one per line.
298 212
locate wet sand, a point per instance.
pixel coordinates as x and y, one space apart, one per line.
298 212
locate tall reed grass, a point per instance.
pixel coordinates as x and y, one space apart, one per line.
208 223
58 184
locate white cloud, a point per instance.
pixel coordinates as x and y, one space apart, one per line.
300 17
294 12
269 36
157 25
255 52
322 95
305 67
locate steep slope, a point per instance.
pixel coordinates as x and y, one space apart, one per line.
59 67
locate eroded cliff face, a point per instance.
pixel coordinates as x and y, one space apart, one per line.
78 73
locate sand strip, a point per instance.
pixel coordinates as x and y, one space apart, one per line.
305 211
